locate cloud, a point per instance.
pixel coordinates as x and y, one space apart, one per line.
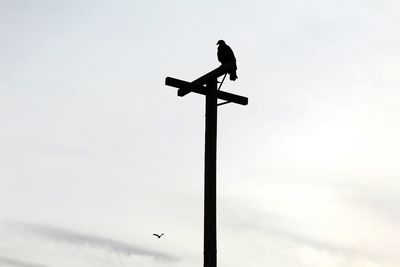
18 263
275 226
81 239
285 233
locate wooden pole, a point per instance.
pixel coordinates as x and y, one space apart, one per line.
210 173
212 93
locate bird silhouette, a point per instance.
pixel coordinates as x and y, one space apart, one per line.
158 235
226 55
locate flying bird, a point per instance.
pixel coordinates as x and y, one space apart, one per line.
158 235
225 55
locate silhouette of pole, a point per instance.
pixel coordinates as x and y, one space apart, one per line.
210 155
210 175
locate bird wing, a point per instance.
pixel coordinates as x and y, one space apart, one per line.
230 56
225 54
220 54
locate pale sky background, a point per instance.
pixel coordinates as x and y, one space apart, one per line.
96 153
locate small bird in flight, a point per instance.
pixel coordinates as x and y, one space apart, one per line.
225 55
158 235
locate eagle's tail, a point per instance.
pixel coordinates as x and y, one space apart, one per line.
232 75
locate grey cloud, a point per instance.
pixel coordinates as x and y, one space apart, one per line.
286 233
72 237
306 240
383 202
18 263
274 225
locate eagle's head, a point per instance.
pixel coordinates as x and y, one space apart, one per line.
221 42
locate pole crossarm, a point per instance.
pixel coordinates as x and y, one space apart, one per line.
200 89
214 74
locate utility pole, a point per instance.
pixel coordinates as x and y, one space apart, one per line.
210 156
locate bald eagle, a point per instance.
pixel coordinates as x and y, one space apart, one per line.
225 55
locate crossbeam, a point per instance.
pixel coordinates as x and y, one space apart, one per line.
214 74
200 89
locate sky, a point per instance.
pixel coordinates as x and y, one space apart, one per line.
97 154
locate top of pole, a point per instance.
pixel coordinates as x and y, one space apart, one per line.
199 89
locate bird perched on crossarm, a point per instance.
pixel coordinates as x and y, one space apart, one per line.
225 55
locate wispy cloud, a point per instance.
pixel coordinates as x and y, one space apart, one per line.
274 225
76 238
284 232
18 263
